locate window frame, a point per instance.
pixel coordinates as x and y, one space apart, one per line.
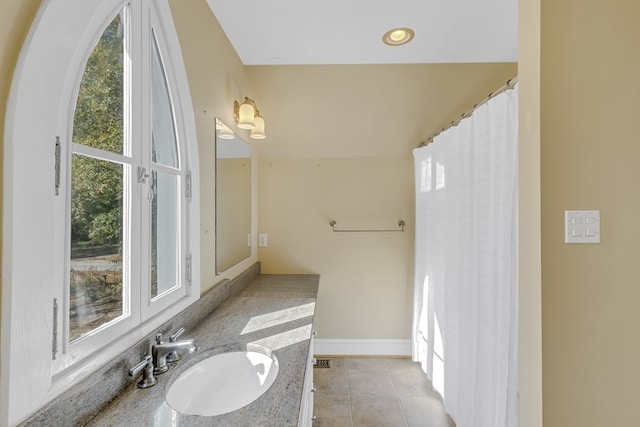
32 215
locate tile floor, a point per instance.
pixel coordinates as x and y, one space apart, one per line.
375 392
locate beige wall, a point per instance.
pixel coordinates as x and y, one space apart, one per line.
339 146
364 110
366 278
590 104
216 78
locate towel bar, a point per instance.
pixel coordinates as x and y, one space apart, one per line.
333 224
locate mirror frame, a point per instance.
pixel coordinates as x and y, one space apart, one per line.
233 240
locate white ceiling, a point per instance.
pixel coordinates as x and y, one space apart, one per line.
267 32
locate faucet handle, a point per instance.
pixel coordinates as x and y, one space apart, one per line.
174 356
146 367
176 335
159 338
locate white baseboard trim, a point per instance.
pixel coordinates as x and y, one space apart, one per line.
361 347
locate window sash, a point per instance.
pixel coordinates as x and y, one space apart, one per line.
139 303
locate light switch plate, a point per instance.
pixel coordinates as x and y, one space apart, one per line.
582 226
262 240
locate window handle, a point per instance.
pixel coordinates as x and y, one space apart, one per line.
142 175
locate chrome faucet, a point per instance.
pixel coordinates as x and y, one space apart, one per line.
174 356
146 368
160 350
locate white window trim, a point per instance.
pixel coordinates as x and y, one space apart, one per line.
37 106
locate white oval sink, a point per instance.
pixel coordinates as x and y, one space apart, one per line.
223 383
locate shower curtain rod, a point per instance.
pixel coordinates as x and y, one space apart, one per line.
510 84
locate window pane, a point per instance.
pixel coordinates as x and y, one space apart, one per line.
165 235
96 291
165 146
98 119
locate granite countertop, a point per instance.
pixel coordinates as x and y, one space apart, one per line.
275 311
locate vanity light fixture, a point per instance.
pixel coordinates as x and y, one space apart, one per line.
398 36
223 130
248 116
258 131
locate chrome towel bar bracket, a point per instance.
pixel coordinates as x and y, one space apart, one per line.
333 224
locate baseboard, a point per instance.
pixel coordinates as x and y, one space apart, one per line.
361 347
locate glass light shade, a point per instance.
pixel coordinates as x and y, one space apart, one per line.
246 115
258 131
225 133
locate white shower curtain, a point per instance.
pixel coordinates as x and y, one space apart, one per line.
465 329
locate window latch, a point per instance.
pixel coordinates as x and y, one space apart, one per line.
142 175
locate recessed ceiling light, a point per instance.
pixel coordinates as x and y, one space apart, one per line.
398 36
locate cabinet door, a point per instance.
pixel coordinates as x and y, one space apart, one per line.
306 407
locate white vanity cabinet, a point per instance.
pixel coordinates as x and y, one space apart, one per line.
306 406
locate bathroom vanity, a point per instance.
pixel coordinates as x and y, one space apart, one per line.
273 311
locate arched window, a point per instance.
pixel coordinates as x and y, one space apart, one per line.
101 205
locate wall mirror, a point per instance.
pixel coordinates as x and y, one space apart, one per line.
233 198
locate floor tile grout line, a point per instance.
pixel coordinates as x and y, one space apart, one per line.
395 394
346 372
